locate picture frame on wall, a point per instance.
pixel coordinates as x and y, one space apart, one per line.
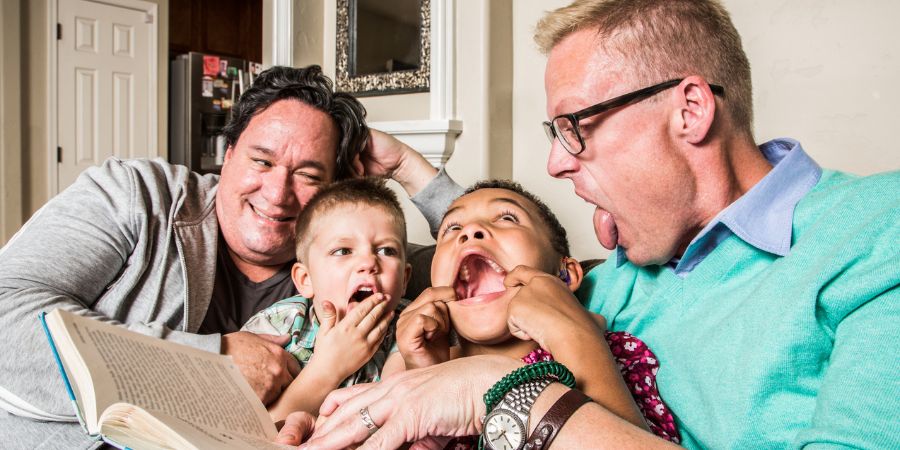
383 47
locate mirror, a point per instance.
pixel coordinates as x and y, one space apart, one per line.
383 47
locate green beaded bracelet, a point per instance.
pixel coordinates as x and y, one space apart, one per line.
524 374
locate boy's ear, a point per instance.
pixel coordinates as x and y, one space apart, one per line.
407 274
302 280
572 268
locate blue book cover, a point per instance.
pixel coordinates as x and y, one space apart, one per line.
68 384
62 371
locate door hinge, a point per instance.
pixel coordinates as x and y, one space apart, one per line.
58 31
59 154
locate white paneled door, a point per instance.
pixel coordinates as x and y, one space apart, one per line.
106 83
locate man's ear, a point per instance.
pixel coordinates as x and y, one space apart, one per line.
302 280
228 152
575 274
697 109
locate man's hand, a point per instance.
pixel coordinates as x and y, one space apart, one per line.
424 327
343 345
382 155
297 427
441 400
385 156
544 310
263 362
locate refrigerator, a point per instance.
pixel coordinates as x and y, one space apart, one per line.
203 89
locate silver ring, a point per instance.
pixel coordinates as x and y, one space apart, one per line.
367 419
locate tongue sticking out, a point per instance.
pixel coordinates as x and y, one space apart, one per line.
605 228
478 276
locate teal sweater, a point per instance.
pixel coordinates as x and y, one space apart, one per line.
761 351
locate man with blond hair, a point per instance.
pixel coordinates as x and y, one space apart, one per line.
767 286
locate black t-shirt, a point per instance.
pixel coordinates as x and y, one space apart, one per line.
236 298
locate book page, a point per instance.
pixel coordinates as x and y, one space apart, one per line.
198 387
132 427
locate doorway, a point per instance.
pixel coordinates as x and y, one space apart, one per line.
106 83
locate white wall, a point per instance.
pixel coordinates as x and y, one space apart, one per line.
824 72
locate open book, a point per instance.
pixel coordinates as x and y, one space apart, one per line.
139 392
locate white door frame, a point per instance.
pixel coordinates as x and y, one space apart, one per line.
10 123
278 32
148 8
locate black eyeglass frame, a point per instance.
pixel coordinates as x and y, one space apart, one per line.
632 97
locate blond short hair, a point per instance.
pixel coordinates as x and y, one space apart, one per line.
662 40
368 191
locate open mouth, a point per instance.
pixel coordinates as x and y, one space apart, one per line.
362 293
478 275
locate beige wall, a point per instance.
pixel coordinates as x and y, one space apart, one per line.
826 73
823 72
529 141
309 33
34 46
10 121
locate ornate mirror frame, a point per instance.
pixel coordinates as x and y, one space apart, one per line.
398 82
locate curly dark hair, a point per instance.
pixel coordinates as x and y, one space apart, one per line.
558 239
310 86
367 191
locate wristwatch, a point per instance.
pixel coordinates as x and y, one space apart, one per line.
506 426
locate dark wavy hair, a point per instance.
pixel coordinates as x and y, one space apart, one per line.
558 239
310 86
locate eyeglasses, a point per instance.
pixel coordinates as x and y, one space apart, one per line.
565 126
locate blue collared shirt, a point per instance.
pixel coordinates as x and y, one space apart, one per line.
763 217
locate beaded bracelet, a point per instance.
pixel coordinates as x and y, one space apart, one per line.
527 373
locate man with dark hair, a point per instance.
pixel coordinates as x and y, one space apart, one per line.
311 87
179 256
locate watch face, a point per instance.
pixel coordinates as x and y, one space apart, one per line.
504 431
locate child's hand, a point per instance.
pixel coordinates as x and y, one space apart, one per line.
343 345
545 311
423 328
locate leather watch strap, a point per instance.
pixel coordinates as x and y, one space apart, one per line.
554 419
